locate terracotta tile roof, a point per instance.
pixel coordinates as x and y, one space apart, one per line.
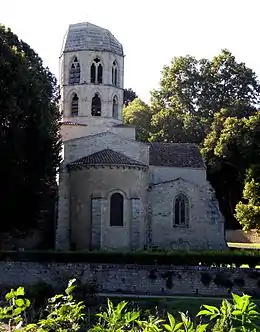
175 155
105 157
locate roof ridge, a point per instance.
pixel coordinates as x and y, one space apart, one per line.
173 143
107 132
106 157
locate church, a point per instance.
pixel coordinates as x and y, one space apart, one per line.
116 193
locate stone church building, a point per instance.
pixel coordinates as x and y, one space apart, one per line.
116 192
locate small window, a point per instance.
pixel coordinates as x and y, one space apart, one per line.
93 73
115 107
181 210
100 74
96 72
74 73
74 105
96 106
114 74
115 80
116 210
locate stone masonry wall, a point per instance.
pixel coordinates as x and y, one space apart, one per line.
203 229
133 279
89 216
85 90
84 146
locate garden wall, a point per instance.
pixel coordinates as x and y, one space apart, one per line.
136 279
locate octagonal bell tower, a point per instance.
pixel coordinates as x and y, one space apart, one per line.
91 80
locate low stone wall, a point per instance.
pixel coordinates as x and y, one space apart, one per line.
240 236
136 279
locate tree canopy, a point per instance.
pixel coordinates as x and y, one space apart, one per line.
231 151
129 95
138 113
29 136
191 91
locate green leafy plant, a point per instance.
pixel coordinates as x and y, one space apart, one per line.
65 314
115 318
12 314
241 315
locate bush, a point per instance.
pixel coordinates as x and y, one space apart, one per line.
64 314
186 258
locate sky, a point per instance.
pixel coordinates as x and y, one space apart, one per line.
152 32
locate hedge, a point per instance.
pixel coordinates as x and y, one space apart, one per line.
186 258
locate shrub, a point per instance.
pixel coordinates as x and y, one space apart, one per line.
187 258
206 278
222 280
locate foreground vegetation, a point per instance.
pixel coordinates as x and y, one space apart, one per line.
64 314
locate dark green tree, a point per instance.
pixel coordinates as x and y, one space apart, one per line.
232 150
29 135
191 91
129 95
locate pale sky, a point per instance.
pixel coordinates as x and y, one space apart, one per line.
152 32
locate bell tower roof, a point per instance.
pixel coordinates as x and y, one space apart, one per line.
89 37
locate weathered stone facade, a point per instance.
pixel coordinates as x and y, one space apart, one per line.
160 192
135 279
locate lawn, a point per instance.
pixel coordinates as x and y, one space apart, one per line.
243 245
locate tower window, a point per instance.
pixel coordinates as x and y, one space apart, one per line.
96 106
114 73
181 210
74 105
93 73
100 73
96 72
74 72
117 210
115 107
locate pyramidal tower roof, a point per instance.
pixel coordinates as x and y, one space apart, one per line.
89 37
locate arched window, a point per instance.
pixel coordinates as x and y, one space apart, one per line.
116 210
115 107
74 73
74 105
96 72
100 74
181 210
96 106
114 73
93 73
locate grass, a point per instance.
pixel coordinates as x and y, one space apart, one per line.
243 245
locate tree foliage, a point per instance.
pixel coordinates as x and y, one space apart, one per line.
191 91
29 138
232 150
129 95
170 125
138 113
